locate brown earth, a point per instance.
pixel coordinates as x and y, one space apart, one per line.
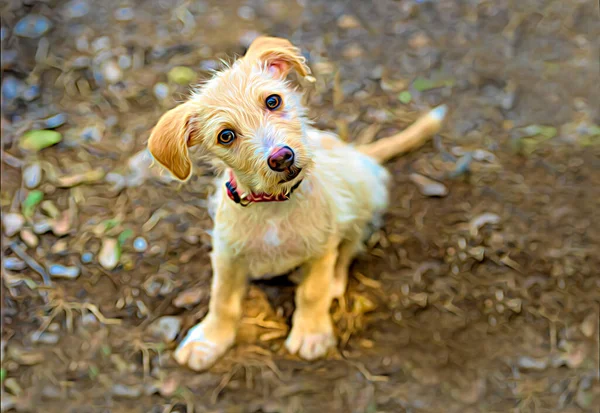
484 300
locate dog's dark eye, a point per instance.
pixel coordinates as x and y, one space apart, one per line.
273 102
226 136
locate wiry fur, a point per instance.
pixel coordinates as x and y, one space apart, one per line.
319 228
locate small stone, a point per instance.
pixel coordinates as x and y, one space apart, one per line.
59 247
189 297
14 264
112 72
479 221
165 328
61 271
77 8
62 225
209 65
31 93
12 88
29 238
51 392
347 22
32 175
127 392
124 14
110 254
588 326
46 338
12 223
140 244
125 62
352 51
418 40
55 121
32 26
428 187
246 13
91 134
87 257
161 90
42 227
530 363
101 43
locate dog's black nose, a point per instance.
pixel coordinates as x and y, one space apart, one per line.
281 159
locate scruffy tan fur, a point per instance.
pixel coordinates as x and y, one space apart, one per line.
320 228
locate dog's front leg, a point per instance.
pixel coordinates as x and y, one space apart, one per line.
312 328
210 339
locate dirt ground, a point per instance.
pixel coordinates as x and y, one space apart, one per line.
485 299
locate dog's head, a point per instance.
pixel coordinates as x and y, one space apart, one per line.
248 116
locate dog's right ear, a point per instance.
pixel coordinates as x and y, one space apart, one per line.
170 139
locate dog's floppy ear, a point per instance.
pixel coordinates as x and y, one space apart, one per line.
279 55
171 137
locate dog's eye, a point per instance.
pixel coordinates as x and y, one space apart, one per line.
273 102
226 136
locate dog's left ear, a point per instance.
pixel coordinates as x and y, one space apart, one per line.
279 55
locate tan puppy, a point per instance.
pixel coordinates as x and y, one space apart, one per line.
291 196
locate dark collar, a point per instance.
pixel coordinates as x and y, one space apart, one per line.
251 197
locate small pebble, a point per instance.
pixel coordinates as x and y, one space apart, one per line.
165 328
101 43
124 14
32 175
530 363
42 227
77 8
428 187
91 134
161 90
31 93
55 121
128 392
347 22
12 223
110 254
32 26
29 238
246 13
14 264
59 247
112 72
189 297
12 88
125 62
46 338
61 271
87 257
140 244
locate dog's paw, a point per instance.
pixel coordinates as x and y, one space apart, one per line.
203 346
311 340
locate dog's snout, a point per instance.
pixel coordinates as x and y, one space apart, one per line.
281 159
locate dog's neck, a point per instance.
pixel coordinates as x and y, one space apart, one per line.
250 197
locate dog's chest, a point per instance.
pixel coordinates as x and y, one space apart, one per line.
274 239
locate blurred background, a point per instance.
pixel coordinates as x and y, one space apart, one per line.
480 293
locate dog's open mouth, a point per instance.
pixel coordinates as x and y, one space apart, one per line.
290 174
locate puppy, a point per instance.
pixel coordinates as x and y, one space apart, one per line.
291 195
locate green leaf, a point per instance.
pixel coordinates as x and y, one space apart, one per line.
124 236
111 223
106 350
3 374
181 75
93 372
405 97
422 84
36 140
32 200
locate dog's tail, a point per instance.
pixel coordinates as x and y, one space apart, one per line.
410 138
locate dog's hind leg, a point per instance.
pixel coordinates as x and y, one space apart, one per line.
347 251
